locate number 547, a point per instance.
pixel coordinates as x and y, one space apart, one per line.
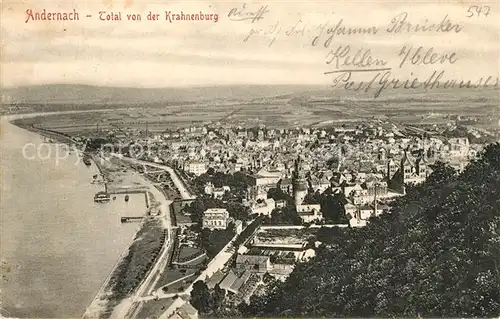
477 11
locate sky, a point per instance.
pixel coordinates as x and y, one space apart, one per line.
205 53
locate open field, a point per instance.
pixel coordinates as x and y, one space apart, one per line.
187 251
303 108
137 262
285 236
171 278
153 309
171 275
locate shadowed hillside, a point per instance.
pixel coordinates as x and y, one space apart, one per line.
87 94
437 254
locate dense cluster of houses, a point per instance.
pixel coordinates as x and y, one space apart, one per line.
368 164
365 191
366 172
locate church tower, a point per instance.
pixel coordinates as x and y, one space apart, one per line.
299 183
407 167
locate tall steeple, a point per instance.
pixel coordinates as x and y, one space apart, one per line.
340 159
299 183
298 172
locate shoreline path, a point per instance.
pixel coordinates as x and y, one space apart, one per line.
130 304
129 307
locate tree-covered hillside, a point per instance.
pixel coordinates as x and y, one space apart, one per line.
436 254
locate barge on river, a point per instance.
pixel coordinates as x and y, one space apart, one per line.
102 197
87 161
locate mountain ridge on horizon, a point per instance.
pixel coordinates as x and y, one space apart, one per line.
91 94
85 93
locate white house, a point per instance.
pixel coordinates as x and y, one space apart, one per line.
265 207
309 213
195 167
216 218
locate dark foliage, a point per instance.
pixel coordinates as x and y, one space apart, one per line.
96 144
278 194
207 301
214 240
238 182
141 256
201 203
201 297
436 254
284 216
332 205
248 231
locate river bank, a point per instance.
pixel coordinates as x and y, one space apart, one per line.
130 269
138 261
57 242
132 264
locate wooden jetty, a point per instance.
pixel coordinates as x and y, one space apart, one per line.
131 219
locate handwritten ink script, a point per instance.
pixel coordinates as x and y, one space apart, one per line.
244 14
356 61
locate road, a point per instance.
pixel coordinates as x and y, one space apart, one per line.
177 182
130 307
215 264
127 308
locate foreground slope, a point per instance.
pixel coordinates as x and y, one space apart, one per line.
436 254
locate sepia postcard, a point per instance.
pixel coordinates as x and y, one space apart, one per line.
241 159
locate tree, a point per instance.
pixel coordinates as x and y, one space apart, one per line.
436 254
285 216
214 240
237 182
332 207
312 198
200 204
278 194
218 295
238 210
201 298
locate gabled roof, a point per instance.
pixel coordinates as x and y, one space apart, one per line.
240 281
421 159
286 181
367 207
215 279
372 179
189 309
251 259
407 159
229 281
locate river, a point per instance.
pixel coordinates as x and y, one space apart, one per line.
57 245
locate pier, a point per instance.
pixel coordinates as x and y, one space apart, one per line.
131 219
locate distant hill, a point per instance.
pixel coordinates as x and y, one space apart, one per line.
85 94
437 254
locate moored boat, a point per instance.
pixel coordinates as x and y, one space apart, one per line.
102 197
86 161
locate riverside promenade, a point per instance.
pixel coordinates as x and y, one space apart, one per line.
185 194
97 305
130 307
